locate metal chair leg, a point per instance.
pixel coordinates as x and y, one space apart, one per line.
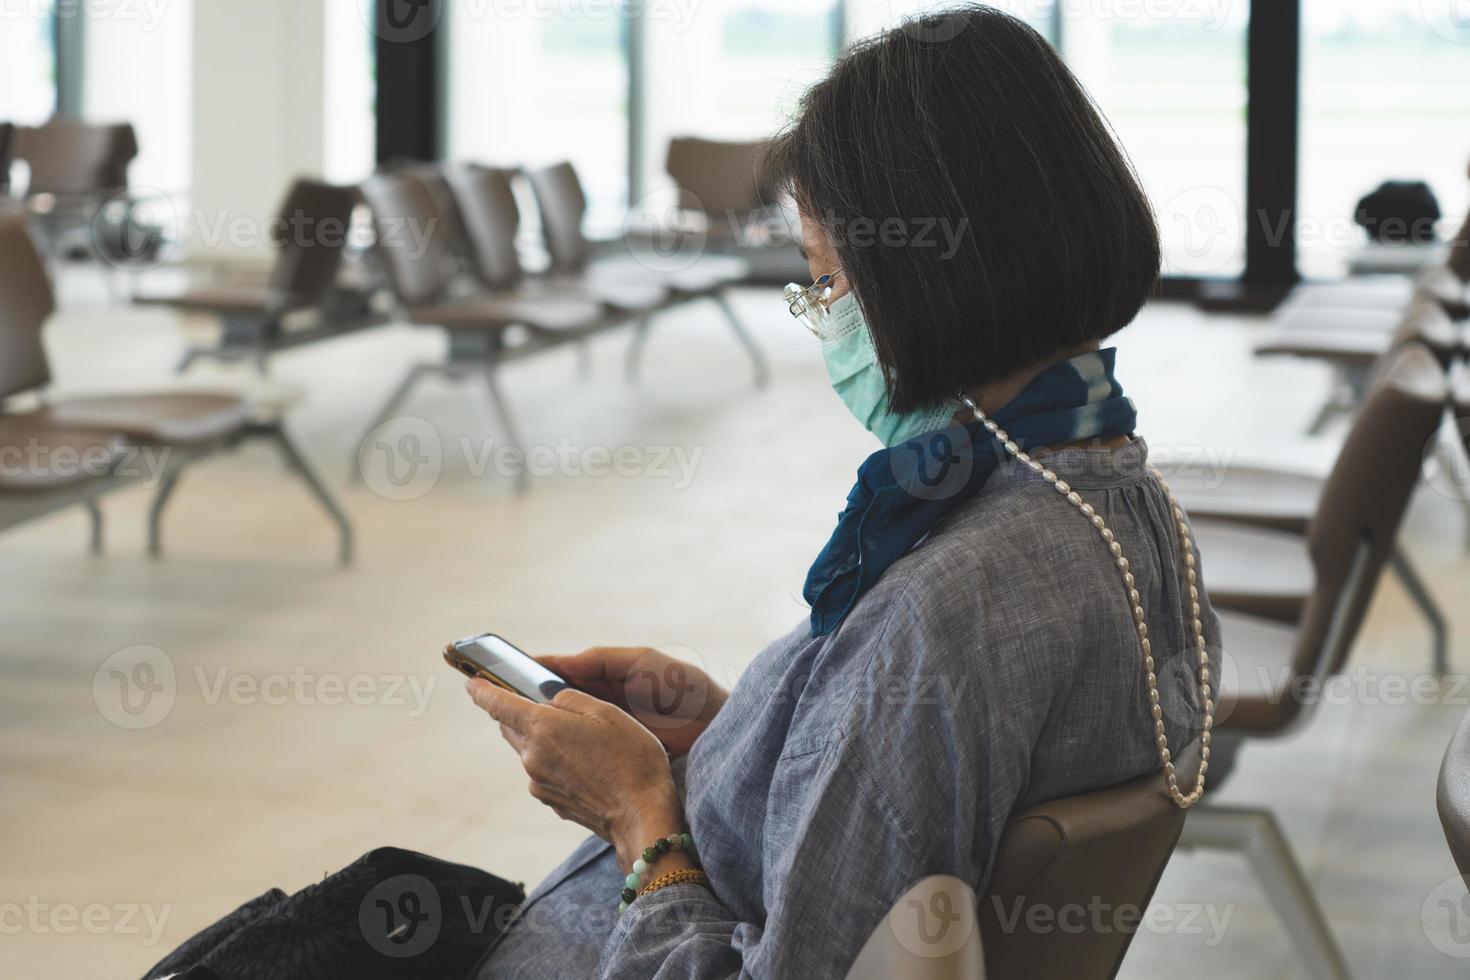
389 410
1404 570
762 370
94 511
155 512
635 349
306 467
1256 834
507 421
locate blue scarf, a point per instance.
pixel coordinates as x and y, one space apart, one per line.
903 491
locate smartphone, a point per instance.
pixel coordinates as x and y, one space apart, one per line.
493 658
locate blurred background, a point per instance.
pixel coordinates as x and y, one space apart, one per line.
333 330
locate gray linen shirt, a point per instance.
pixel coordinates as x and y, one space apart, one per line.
994 666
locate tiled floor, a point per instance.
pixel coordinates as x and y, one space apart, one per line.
231 794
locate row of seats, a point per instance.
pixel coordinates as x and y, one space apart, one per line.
59 452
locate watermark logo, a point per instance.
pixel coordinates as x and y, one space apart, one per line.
935 918
1205 230
659 235
135 688
668 688
136 229
402 459
401 21
1448 472
1445 918
402 916
40 918
1450 19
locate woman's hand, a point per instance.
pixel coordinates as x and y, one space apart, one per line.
592 764
673 699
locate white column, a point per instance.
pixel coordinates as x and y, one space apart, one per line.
259 114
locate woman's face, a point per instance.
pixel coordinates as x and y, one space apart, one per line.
821 257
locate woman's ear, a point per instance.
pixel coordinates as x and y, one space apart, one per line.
821 256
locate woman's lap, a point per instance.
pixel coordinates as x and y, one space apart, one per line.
565 922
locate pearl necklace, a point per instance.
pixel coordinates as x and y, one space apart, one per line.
1171 778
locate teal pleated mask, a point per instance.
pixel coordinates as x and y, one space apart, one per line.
857 377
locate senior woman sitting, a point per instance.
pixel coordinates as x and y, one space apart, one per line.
1009 609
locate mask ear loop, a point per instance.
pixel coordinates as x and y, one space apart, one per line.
809 304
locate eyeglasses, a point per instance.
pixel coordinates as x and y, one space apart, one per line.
810 304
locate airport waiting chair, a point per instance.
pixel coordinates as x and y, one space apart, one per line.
489 219
75 168
1453 798
1266 662
413 254
1351 341
1254 522
1108 847
303 300
181 427
719 192
562 205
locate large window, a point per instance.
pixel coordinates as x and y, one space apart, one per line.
139 70
1385 95
27 62
730 71
542 82
1173 86
864 17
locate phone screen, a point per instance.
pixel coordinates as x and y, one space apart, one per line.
511 667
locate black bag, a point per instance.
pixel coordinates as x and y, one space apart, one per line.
390 915
1402 211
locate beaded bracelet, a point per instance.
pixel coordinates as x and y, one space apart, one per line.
683 876
638 877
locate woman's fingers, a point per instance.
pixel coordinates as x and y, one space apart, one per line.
511 710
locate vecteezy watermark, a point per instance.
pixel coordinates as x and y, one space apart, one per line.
143 227
935 918
1100 917
301 687
35 460
41 918
149 13
1446 467
137 688
1445 917
402 916
403 458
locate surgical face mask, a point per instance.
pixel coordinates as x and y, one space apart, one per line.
857 377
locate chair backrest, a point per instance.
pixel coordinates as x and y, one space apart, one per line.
1109 846
1056 863
26 302
70 157
562 205
1453 797
410 242
490 218
1362 504
7 154
716 177
316 219
1426 320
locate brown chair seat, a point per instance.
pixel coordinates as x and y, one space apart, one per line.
233 298
624 296
1251 494
490 313
1256 570
1257 674
1355 348
37 456
1453 798
176 418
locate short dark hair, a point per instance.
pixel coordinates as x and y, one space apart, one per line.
965 128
